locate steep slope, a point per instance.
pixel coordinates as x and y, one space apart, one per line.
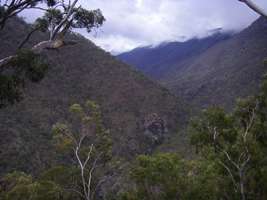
217 75
156 61
78 73
229 70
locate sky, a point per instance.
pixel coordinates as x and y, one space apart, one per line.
133 23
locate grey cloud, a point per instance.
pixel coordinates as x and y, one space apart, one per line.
143 22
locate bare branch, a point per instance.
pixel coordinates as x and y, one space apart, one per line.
251 121
230 159
230 173
81 167
5 61
89 154
90 174
38 49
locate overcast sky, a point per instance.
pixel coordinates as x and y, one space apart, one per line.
133 23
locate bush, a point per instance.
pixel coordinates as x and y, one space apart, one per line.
9 90
25 66
30 64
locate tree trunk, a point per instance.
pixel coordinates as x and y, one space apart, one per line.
5 61
38 49
242 187
2 24
27 38
255 7
64 20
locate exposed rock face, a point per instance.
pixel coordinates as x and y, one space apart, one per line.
155 129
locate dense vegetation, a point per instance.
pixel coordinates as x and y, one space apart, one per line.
85 147
231 163
58 19
25 66
76 73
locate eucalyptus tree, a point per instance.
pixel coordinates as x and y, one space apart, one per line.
236 143
87 142
60 17
10 8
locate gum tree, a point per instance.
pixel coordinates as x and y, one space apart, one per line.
60 17
84 138
236 143
10 8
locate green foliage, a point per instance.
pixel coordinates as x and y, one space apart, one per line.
76 109
84 123
201 129
205 182
61 175
160 177
65 177
80 18
25 66
63 143
31 64
167 176
41 24
232 163
84 138
9 90
19 186
88 19
53 16
236 144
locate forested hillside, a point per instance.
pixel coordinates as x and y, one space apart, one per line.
76 74
76 123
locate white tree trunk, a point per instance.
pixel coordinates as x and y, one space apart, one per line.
251 4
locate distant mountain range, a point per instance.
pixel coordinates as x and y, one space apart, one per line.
211 71
156 61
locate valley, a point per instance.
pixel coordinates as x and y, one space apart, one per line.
180 120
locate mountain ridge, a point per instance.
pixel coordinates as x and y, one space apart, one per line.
154 61
203 78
